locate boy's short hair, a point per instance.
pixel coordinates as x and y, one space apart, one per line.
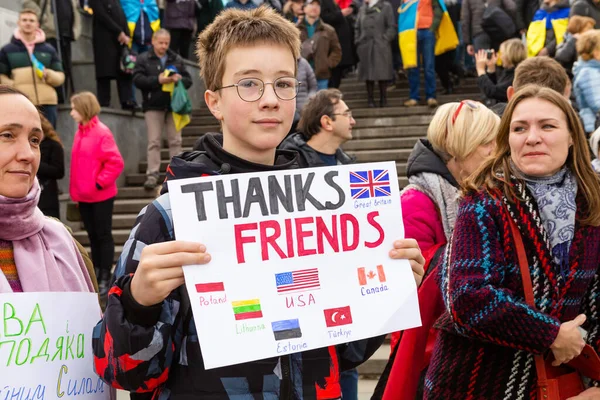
323 103
588 43
29 11
541 71
234 28
86 104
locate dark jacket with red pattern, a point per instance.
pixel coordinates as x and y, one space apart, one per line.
155 349
488 334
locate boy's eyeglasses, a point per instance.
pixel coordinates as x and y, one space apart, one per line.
345 114
252 89
471 104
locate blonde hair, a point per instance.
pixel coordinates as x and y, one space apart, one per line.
579 24
494 173
513 51
459 139
86 104
237 28
587 43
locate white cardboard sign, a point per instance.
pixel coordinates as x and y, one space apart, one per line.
299 259
46 346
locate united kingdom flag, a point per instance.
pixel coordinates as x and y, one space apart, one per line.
368 184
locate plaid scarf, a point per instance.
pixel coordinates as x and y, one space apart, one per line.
555 198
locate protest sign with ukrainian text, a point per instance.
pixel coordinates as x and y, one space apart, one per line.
299 259
46 346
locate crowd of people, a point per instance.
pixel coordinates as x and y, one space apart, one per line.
501 213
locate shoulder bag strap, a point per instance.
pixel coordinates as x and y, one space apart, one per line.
528 288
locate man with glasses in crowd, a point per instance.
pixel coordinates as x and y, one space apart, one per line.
149 76
325 125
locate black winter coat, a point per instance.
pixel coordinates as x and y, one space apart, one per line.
332 14
52 168
145 78
180 14
586 8
109 22
494 87
525 11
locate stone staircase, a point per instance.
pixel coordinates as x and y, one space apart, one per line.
380 134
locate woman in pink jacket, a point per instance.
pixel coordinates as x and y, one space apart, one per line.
459 138
96 163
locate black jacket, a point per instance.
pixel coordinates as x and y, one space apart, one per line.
52 168
145 77
424 159
332 14
163 337
109 22
307 156
586 8
494 87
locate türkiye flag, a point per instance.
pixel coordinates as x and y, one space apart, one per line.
365 276
338 316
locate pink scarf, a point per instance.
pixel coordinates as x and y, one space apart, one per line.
40 37
46 257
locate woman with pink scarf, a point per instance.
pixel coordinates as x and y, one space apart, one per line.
37 254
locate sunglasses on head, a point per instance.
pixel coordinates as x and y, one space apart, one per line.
473 105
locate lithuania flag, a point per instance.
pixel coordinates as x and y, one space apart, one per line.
247 309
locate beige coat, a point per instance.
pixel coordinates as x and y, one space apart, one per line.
40 92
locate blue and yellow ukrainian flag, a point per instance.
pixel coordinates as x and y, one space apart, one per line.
133 10
445 36
542 21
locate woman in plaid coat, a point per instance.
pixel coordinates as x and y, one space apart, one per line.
541 178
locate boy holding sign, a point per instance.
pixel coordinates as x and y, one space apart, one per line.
147 340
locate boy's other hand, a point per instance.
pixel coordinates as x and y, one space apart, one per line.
470 50
160 269
408 249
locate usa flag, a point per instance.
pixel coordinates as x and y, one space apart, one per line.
297 281
368 184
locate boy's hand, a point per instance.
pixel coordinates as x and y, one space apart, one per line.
160 269
408 249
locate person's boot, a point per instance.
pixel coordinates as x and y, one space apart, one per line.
370 90
151 182
383 94
103 283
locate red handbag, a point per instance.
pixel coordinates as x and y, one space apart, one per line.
555 383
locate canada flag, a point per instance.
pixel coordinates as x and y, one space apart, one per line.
365 277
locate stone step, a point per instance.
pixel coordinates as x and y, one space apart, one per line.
381 155
119 235
359 134
374 366
385 143
137 192
402 92
397 101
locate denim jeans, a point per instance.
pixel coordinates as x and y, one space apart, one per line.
50 112
349 384
425 50
322 84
